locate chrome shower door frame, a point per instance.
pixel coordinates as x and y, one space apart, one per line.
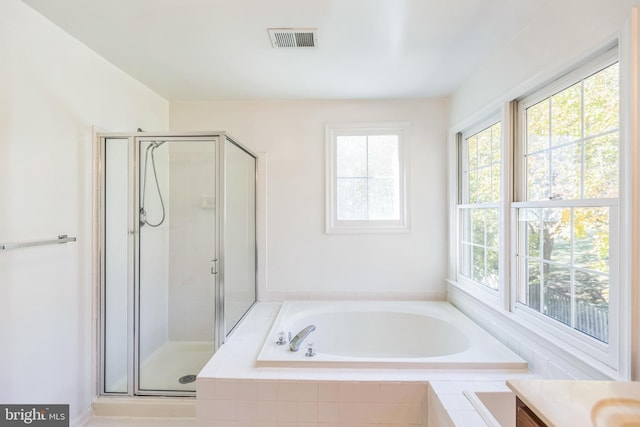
133 247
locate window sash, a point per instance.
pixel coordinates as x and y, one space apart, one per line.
471 246
579 74
576 307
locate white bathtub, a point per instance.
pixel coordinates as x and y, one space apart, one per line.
385 334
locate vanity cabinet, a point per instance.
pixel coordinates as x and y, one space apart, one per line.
525 416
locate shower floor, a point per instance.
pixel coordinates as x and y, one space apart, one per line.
164 367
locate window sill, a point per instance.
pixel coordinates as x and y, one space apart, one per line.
364 229
538 336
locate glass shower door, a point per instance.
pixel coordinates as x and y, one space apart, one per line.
176 274
239 233
178 256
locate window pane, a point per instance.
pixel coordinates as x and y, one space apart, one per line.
478 264
492 227
492 279
566 164
351 156
484 148
591 235
477 221
601 167
538 176
473 186
481 174
495 183
556 234
383 199
483 191
383 156
496 142
557 293
352 198
531 221
472 150
538 127
601 101
566 112
465 225
592 305
532 293
466 252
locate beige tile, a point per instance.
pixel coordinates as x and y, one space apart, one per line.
308 412
308 391
287 391
266 390
328 391
286 412
329 412
139 422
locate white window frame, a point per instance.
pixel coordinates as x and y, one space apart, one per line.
612 359
491 296
335 226
606 353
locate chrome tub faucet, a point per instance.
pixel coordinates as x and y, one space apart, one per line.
294 345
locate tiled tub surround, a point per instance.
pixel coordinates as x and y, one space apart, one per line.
233 391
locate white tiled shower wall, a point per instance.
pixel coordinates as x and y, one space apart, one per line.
308 403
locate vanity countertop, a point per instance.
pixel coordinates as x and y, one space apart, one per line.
567 403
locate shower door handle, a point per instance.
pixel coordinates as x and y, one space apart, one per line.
214 266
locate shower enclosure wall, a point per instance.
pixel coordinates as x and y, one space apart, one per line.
178 256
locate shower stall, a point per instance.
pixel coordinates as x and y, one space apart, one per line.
177 259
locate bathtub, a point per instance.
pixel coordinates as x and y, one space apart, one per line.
384 334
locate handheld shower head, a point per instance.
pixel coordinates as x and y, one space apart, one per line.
143 213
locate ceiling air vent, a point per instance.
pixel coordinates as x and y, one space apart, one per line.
293 37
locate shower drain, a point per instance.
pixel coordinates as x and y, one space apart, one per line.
187 379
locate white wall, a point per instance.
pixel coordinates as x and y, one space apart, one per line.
562 34
303 261
52 90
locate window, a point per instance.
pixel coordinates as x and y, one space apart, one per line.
569 200
538 212
366 178
479 205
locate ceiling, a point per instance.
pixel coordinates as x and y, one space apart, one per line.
220 49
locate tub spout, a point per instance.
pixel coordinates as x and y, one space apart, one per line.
294 345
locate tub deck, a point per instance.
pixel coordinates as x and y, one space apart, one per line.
233 390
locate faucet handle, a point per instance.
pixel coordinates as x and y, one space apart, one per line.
281 338
310 352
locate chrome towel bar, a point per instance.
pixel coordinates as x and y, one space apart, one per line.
62 238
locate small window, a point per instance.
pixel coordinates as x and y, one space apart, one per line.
366 178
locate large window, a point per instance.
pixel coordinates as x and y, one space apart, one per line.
538 210
366 178
569 200
479 205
